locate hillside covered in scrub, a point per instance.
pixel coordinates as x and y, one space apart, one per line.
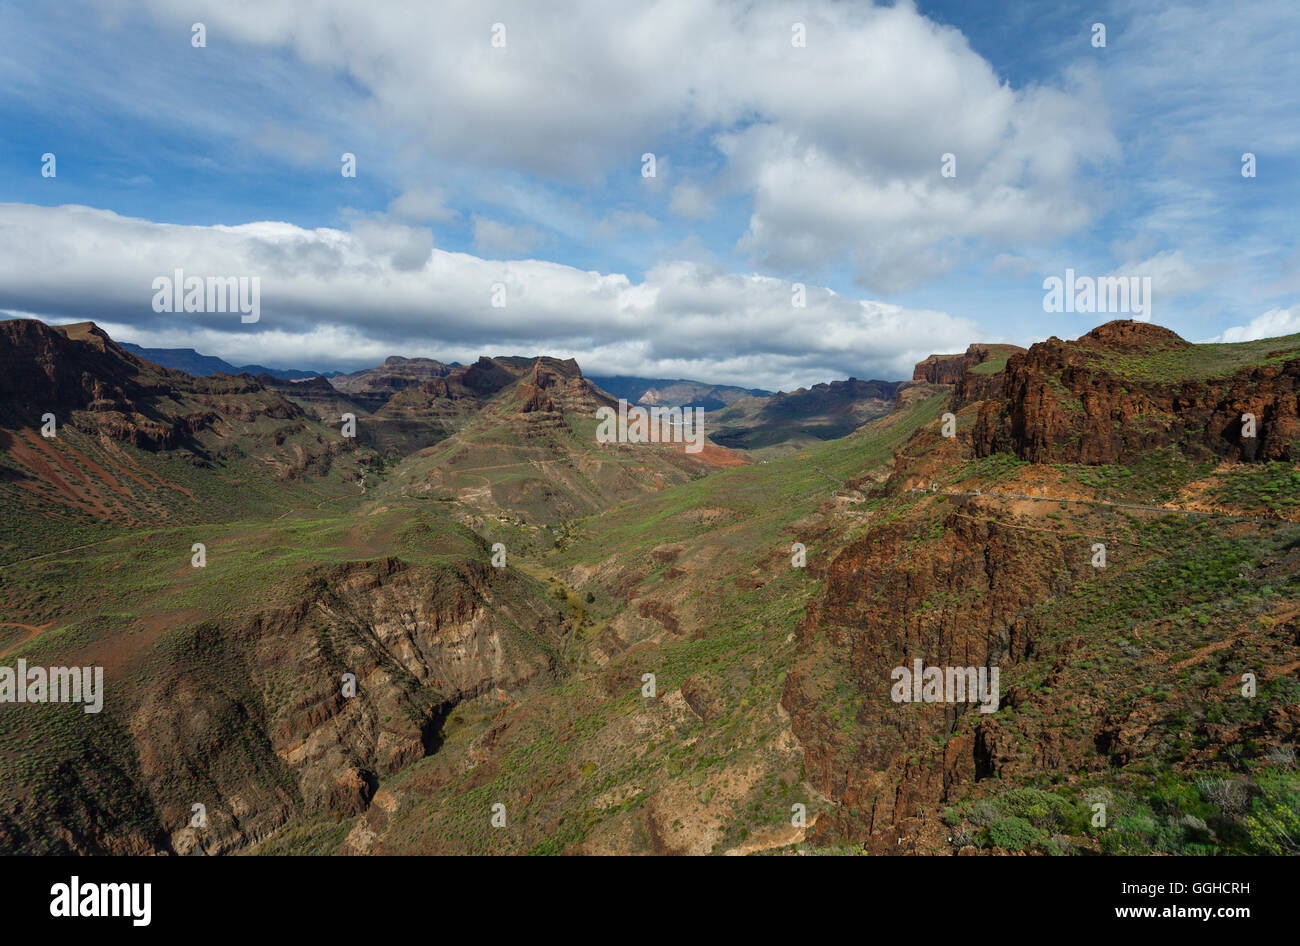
678 654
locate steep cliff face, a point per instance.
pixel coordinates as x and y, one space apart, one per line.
1107 673
1127 388
558 386
939 369
951 590
76 366
258 723
86 379
954 369
417 641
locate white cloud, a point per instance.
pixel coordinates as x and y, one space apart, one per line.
838 143
403 247
347 297
1271 324
1173 274
423 204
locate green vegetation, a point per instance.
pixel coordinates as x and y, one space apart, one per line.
1153 478
1227 813
1273 485
1198 362
525 686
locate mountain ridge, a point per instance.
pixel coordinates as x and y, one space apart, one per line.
501 594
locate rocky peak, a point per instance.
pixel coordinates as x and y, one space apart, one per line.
71 367
558 385
92 383
1128 335
1109 397
486 376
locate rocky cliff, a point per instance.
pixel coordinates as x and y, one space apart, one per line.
1127 388
254 720
953 369
1107 673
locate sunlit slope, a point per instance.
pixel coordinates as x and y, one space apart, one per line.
225 684
695 585
531 452
131 444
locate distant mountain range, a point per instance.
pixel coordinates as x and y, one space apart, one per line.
675 392
193 363
377 384
741 418
784 422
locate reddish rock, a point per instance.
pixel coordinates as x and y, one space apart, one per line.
1073 402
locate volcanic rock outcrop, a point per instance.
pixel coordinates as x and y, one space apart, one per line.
1124 389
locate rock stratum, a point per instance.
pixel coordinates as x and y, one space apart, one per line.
473 606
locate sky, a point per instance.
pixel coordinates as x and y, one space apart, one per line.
920 169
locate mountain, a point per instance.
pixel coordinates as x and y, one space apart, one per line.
747 419
211 668
1128 388
1121 674
191 362
783 422
135 443
530 448
638 650
978 360
674 392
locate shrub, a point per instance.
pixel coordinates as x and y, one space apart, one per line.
1042 809
1012 833
1229 795
1057 846
1273 825
983 813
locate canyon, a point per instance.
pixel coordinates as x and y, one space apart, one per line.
349 674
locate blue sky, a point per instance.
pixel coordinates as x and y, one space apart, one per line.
522 165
